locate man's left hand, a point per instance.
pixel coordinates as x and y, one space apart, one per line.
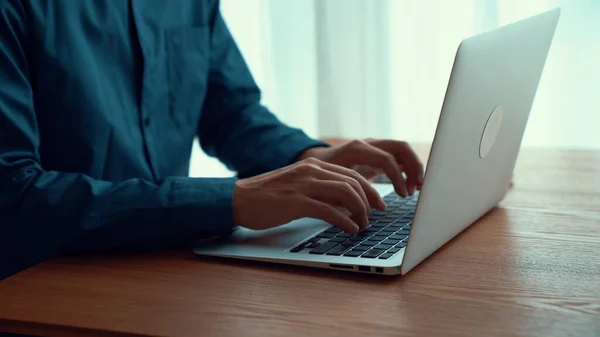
371 156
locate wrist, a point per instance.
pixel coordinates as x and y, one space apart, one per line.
238 203
313 152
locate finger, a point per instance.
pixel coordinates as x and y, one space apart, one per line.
319 210
407 157
372 196
368 172
339 193
325 171
365 154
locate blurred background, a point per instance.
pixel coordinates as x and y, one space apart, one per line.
379 68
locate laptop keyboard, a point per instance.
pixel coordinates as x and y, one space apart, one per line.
386 234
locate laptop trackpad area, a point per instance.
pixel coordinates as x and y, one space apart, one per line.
281 238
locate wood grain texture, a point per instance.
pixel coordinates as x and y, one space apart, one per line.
529 268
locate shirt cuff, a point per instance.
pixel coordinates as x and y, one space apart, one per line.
204 205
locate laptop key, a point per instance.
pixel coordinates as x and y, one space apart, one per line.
324 248
326 235
394 250
333 230
363 234
369 243
344 235
373 253
298 248
354 253
390 242
339 250
386 256
403 232
378 237
383 246
401 222
337 239
362 248
401 244
313 244
397 237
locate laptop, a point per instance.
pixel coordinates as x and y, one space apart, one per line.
492 86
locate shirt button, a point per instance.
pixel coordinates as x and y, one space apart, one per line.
147 121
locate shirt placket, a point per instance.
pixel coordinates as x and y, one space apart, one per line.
148 94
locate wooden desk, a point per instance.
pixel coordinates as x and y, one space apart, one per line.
532 267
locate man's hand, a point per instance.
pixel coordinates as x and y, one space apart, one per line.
372 156
308 188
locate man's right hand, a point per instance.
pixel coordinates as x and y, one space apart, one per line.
309 188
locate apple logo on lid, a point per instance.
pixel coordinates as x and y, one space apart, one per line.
490 132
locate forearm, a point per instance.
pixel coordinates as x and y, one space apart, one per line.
44 213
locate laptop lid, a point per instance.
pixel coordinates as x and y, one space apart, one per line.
487 104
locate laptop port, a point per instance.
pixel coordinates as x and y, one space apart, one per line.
379 270
364 268
340 266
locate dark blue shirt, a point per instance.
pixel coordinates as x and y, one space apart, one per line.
100 102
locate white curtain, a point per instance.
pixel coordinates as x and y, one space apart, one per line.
379 68
424 38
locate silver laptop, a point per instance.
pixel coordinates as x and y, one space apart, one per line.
492 86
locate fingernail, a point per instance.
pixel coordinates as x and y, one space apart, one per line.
382 205
355 229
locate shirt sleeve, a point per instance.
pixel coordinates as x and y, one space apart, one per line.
235 127
43 212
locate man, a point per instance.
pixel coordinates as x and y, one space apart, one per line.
99 104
